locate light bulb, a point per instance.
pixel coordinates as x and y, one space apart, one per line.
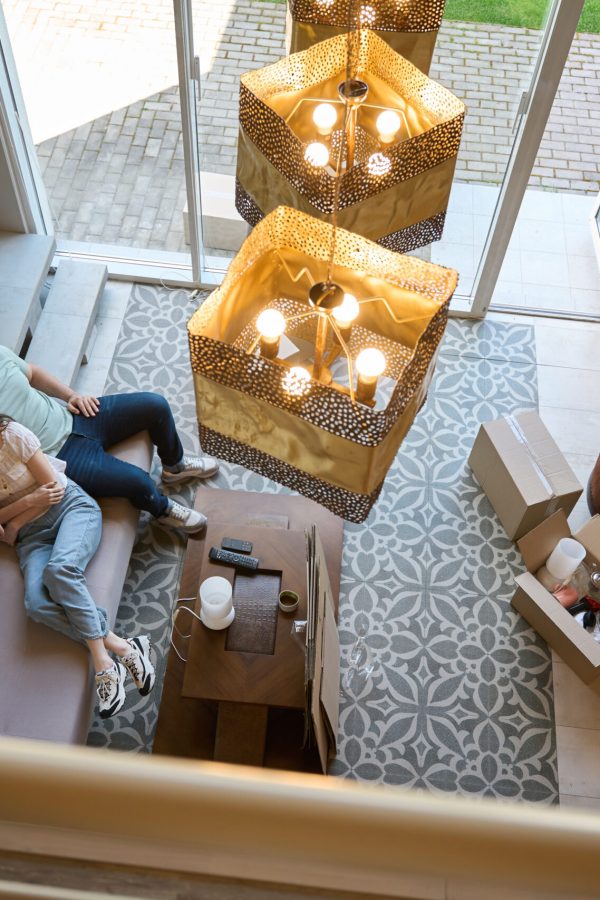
317 154
270 325
325 117
296 382
378 164
347 312
388 124
370 363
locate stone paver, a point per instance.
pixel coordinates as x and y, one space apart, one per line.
488 66
100 84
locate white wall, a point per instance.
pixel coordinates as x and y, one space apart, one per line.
10 215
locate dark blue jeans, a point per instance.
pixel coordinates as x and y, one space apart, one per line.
120 416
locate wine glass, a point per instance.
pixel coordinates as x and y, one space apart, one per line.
357 679
357 676
299 633
360 653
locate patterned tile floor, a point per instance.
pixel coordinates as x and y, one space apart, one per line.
461 695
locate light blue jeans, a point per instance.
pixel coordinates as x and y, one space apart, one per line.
53 553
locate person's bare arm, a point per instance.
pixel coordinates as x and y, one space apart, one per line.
17 514
10 531
15 509
48 384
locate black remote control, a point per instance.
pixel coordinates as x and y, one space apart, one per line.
233 559
237 545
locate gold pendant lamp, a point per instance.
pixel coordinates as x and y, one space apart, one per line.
313 357
410 27
349 127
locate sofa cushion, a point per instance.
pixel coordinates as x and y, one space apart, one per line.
46 682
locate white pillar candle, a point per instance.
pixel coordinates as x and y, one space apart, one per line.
215 597
565 558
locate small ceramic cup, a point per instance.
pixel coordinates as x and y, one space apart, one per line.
288 601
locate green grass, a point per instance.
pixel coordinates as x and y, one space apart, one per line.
519 13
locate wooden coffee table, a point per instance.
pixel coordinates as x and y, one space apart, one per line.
240 705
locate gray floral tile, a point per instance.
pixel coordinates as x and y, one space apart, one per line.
489 340
460 698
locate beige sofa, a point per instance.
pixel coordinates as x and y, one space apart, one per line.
46 683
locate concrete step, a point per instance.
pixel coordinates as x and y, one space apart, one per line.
222 226
24 263
63 332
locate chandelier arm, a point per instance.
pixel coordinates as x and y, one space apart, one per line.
304 315
390 312
333 355
299 103
303 271
331 100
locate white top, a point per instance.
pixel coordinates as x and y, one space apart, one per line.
17 446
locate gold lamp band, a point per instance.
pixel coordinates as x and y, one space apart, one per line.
402 217
417 47
304 471
350 505
390 15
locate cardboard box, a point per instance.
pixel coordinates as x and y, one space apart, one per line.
543 611
322 677
522 471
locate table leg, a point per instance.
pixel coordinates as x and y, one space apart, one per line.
241 733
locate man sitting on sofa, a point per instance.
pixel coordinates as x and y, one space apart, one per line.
81 431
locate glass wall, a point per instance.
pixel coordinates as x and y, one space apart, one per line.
101 93
551 262
486 54
100 87
231 37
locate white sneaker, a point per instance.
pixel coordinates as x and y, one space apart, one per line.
188 520
139 665
111 690
192 467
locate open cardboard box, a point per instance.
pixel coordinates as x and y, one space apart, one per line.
543 611
323 654
522 471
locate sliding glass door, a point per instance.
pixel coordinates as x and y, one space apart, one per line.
134 123
102 97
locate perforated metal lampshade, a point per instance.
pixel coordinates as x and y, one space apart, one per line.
401 204
318 441
410 27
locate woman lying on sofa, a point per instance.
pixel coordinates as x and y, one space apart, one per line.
56 528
